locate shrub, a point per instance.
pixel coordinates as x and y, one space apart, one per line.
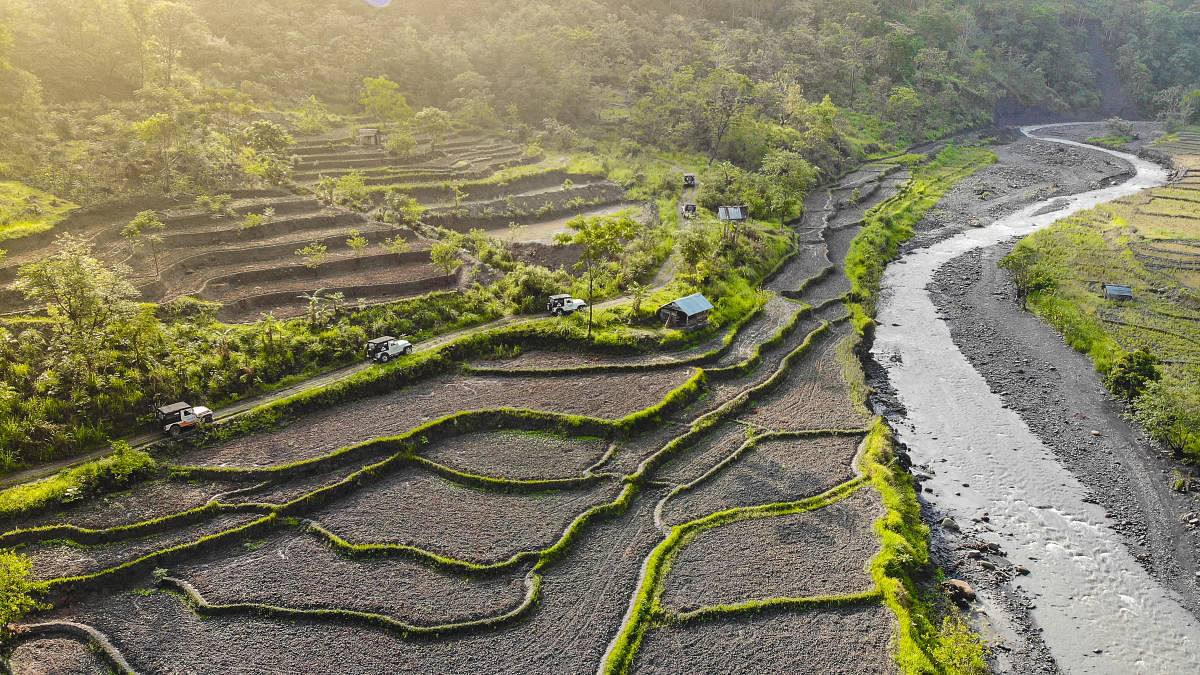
314 254
122 467
357 242
1131 372
253 220
17 590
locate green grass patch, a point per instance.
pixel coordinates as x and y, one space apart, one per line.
923 646
891 223
115 470
1061 269
1111 141
25 210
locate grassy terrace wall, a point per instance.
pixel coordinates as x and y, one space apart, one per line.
922 647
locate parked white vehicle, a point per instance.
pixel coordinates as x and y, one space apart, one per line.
177 418
561 305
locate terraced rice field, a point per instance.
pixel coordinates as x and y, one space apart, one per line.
255 270
522 545
1151 242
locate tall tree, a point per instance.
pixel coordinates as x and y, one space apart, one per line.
601 239
86 300
382 100
173 26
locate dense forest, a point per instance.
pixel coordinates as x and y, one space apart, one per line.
82 81
124 100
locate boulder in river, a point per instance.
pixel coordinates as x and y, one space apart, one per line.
960 592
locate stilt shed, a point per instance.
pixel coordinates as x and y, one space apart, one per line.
688 313
370 136
734 214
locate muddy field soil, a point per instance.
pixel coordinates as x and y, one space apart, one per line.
782 470
775 315
814 395
518 455
58 560
575 619
685 466
543 359
283 490
632 451
143 502
809 260
296 570
56 656
843 641
718 392
547 255
816 553
434 514
608 396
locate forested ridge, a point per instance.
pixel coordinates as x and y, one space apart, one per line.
728 78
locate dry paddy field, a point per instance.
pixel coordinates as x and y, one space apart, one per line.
502 549
244 254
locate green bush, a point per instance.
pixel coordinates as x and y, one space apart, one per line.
1131 372
120 468
17 590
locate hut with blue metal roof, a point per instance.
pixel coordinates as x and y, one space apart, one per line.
687 313
1117 292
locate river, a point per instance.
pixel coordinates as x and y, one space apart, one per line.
1099 610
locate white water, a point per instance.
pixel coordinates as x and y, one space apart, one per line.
1099 610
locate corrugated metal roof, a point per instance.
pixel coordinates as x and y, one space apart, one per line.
691 305
1116 289
733 212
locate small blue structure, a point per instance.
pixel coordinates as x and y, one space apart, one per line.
734 214
1118 292
688 313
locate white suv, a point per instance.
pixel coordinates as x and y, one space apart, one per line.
561 305
386 348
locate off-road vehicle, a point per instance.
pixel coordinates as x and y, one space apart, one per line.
386 348
179 417
561 305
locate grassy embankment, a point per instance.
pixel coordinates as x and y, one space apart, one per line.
25 211
1150 242
924 645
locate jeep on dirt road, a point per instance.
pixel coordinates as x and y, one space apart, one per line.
177 418
386 348
561 305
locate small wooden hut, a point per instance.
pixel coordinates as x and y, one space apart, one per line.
370 136
734 214
688 313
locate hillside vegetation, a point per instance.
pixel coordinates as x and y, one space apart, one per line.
1145 348
81 83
